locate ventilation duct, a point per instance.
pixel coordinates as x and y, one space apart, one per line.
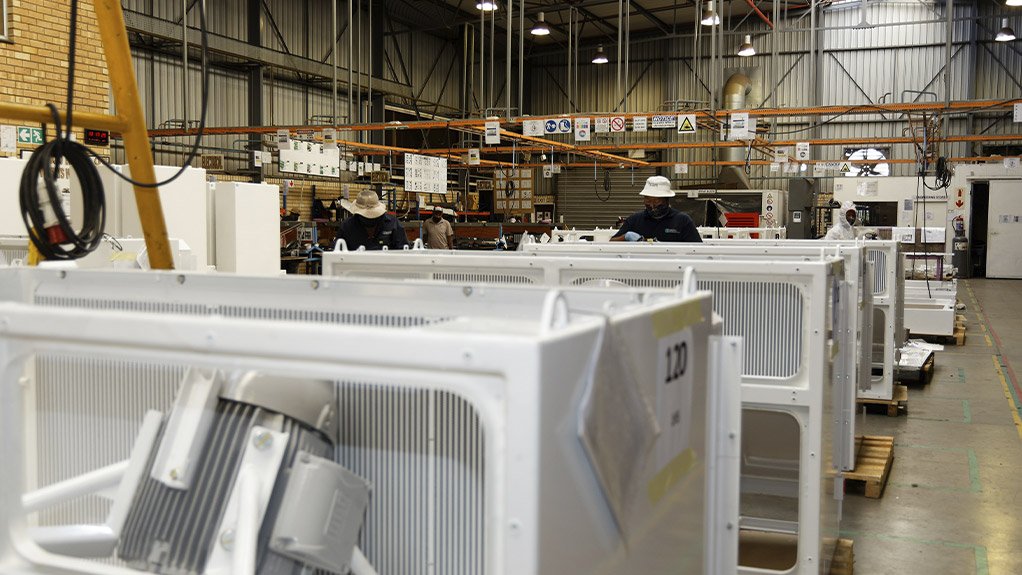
734 94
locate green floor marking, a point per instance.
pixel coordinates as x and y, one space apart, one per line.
966 412
961 375
982 566
974 472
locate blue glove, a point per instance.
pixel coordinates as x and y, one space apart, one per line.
632 237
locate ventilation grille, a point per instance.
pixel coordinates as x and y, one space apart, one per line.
880 263
464 277
630 281
422 450
769 315
8 255
244 312
88 412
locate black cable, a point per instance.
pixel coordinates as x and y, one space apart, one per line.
50 229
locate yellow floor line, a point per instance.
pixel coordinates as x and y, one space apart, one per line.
989 342
1007 396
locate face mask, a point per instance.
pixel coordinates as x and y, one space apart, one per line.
657 212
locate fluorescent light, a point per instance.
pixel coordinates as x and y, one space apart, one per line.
601 56
541 29
1005 34
746 49
1013 3
710 17
487 5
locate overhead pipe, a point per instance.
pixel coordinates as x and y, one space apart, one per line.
758 12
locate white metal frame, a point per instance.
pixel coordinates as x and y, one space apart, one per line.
930 307
13 249
806 396
724 233
503 360
888 301
854 372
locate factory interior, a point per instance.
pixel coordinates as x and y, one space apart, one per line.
559 287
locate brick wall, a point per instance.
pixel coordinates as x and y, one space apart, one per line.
33 70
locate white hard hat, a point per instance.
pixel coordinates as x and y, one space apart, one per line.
657 187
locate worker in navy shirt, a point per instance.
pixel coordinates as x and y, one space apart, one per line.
659 221
370 226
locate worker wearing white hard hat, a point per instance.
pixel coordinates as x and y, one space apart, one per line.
844 222
658 221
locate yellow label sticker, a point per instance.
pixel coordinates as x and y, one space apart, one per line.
677 318
670 475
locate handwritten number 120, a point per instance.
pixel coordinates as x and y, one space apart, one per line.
677 361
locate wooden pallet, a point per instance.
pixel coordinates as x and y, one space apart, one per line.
872 464
923 375
897 404
843 562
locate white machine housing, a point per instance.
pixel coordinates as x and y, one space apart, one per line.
783 309
469 434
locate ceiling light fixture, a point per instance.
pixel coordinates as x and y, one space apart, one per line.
1005 34
710 17
746 49
601 56
487 5
1013 3
541 29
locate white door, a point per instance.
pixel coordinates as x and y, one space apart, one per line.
1004 229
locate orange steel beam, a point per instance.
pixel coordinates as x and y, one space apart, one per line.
548 144
753 163
954 107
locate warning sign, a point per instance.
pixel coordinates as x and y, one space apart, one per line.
802 151
640 123
845 167
687 124
617 124
582 133
663 121
602 125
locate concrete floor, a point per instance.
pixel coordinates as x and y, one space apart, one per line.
952 504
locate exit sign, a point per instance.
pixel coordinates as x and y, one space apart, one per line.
30 136
97 137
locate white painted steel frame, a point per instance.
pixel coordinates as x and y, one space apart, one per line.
603 235
854 371
807 396
888 301
930 307
469 345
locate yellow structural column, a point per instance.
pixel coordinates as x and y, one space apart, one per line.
136 138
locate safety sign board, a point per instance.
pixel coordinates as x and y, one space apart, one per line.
492 132
1018 112
602 125
739 126
640 123
781 155
533 127
27 135
680 168
617 124
845 167
802 151
687 124
562 126
582 129
664 121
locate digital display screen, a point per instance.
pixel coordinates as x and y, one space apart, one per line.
97 137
